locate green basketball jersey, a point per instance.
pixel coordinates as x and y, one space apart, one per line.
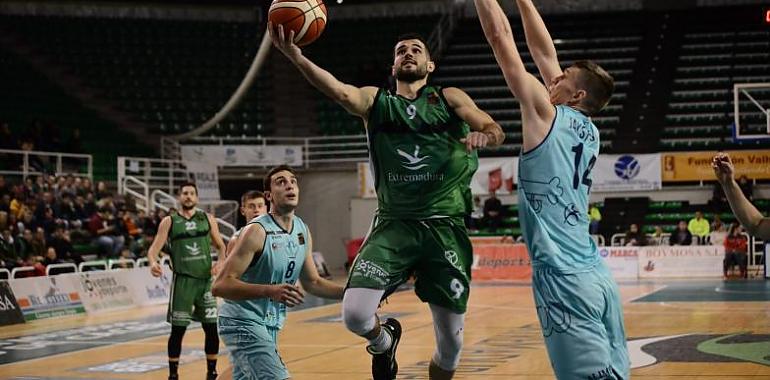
421 169
190 245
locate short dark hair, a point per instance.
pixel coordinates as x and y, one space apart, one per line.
251 194
414 36
186 184
598 84
269 176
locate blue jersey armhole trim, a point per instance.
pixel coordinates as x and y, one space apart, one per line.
553 123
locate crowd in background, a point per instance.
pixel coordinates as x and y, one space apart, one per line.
49 220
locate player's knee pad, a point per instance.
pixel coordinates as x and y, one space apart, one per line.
358 308
448 327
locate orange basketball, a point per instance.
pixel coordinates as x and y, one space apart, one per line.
307 18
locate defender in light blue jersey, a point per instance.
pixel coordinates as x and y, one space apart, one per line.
578 303
258 281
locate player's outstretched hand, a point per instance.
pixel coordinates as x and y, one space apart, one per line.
287 294
475 140
723 167
283 41
156 270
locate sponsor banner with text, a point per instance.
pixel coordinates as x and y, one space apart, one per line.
696 166
148 289
627 172
681 261
206 179
107 290
501 262
622 261
244 155
49 296
10 312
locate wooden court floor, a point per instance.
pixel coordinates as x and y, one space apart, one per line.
676 330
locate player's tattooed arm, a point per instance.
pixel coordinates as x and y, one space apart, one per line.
539 41
485 131
313 282
357 101
229 284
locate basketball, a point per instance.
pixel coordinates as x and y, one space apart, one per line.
307 18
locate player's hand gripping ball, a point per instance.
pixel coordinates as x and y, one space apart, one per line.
306 18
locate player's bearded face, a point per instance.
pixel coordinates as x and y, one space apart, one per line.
409 72
411 62
188 199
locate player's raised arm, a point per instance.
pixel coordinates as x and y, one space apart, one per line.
536 109
539 42
355 100
485 131
157 245
312 281
229 284
751 219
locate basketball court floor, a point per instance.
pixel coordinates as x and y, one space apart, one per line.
705 329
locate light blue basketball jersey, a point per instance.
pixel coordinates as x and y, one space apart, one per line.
554 183
281 261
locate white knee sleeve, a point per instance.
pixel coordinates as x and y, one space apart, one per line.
448 327
358 308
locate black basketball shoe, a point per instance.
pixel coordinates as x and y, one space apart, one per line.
384 366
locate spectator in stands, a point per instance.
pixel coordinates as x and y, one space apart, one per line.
51 257
493 212
102 191
718 231
736 247
9 258
60 241
747 187
594 216
476 217
681 236
106 234
718 200
699 228
78 235
5 203
657 237
38 243
86 186
635 237
747 214
34 161
7 141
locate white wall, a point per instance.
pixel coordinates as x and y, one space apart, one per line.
325 207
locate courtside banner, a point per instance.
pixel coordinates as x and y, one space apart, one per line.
148 289
501 262
622 261
696 166
627 172
498 174
681 261
10 312
106 290
49 296
244 155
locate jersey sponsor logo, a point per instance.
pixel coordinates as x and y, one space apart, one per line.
413 161
536 192
189 225
193 250
370 270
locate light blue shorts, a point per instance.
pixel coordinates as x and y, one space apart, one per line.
253 350
581 316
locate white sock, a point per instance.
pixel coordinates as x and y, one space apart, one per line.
382 342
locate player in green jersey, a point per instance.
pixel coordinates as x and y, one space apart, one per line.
422 142
189 233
